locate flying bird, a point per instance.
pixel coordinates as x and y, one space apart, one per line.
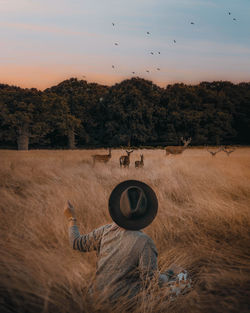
113 66
116 44
152 53
229 13
234 19
159 52
174 41
113 24
147 71
192 23
148 33
158 69
133 72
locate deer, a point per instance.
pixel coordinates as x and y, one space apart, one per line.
125 159
228 152
178 149
213 153
139 163
102 158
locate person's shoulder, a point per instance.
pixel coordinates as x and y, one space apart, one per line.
146 242
102 228
108 227
149 243
141 235
149 240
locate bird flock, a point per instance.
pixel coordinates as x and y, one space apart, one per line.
157 52
234 19
151 53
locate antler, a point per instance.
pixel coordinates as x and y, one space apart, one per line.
186 141
225 149
228 152
213 153
128 152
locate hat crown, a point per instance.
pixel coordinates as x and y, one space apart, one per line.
133 202
133 205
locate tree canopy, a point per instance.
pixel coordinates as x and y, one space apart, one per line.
134 112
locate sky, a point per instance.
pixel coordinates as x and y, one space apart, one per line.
43 42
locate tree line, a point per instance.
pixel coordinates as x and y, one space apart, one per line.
135 112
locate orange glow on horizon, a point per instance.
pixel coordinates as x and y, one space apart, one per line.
44 77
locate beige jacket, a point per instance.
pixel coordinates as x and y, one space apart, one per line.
126 259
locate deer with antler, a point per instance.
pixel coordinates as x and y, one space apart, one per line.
102 158
125 159
178 149
140 163
213 153
228 152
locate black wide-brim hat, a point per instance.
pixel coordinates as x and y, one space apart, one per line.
133 205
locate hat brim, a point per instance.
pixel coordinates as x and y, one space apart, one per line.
135 223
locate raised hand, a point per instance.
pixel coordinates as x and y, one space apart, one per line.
69 210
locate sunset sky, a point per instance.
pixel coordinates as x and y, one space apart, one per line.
43 42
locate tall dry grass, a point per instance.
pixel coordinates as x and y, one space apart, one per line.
203 225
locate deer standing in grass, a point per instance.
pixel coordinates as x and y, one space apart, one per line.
125 159
140 163
213 153
178 149
228 152
102 158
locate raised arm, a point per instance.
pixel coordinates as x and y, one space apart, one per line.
84 243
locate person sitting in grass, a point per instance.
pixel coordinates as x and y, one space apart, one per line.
126 257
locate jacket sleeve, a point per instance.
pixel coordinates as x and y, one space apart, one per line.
148 261
85 243
148 264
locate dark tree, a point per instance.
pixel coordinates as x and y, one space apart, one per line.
84 102
130 108
133 112
23 116
61 120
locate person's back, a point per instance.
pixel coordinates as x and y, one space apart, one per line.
125 258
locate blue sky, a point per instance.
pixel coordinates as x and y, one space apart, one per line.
44 42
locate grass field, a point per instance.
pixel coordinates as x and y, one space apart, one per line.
203 225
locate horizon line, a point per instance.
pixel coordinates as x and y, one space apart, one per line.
110 84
